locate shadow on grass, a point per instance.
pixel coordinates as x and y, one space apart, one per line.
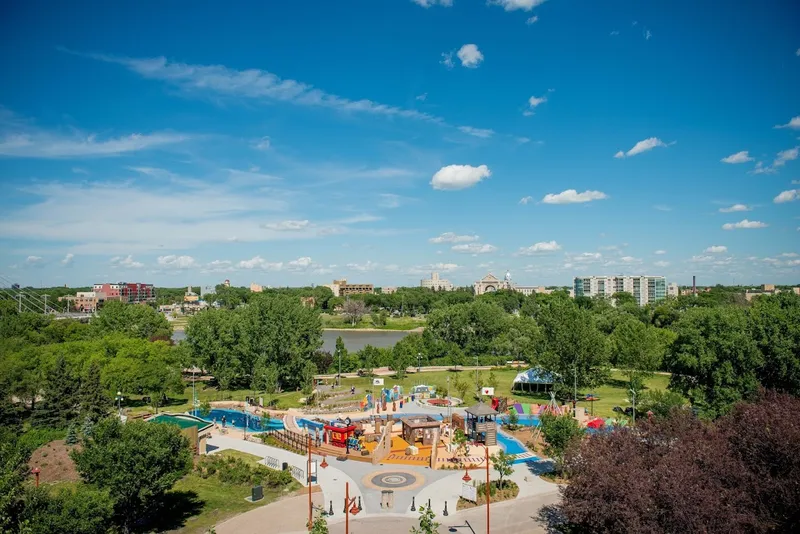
176 508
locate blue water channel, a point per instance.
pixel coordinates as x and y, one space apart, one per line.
235 419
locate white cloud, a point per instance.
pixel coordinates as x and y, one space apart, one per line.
252 84
126 262
218 266
79 170
34 261
389 200
744 224
262 144
735 207
287 226
661 263
428 3
513 5
525 200
660 252
585 257
257 262
786 155
701 259
614 33
790 254
51 145
300 264
470 56
787 196
422 97
450 237
662 207
532 20
629 259
716 249
477 132
794 124
739 157
362 267
447 59
571 196
474 248
647 35
454 177
176 262
533 102
68 259
642 146
543 247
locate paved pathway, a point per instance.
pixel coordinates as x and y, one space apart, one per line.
285 515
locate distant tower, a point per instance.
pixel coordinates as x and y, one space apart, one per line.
694 285
508 276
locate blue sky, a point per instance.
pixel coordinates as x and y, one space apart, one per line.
290 143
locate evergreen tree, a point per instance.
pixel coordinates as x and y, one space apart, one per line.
72 435
88 427
59 406
95 404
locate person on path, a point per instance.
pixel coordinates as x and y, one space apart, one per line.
223 421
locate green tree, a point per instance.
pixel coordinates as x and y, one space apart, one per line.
638 349
714 360
133 320
513 420
660 402
461 386
623 298
340 354
369 356
307 376
95 404
13 471
205 408
559 432
59 405
72 435
319 526
82 510
503 463
775 327
492 381
427 523
137 462
88 427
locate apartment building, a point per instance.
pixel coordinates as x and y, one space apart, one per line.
341 288
645 289
131 293
436 283
673 290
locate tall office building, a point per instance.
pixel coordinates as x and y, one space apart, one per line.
645 289
436 283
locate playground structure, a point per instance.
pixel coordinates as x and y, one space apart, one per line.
480 424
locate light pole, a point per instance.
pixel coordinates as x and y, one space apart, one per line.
119 403
339 376
575 390
449 405
633 399
419 355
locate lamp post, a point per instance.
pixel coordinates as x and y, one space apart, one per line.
487 489
339 376
119 403
419 355
633 399
449 405
308 471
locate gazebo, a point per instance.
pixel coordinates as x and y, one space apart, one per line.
533 376
421 427
480 424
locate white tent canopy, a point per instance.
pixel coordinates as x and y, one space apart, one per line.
534 375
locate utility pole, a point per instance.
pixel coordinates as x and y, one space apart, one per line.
45 303
339 378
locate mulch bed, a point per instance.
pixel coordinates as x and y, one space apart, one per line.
55 463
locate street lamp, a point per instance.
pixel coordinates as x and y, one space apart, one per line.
119 402
633 399
339 376
419 355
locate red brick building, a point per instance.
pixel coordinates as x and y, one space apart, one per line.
132 293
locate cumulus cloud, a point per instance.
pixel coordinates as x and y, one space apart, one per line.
642 146
176 262
287 226
126 262
525 200
532 20
257 262
739 157
661 263
451 237
571 196
447 59
533 103
744 224
262 144
660 252
454 177
543 247
787 196
786 155
735 207
470 56
34 261
68 259
474 248
794 123
477 132
362 267
513 5
428 3
716 249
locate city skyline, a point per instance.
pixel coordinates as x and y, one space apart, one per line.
467 138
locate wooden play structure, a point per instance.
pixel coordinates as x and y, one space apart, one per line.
480 425
424 428
338 433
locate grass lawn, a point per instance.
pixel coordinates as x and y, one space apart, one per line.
196 504
392 323
613 393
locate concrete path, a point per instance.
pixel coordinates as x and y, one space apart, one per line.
285 515
331 480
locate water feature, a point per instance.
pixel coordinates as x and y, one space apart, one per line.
235 419
509 444
524 420
353 339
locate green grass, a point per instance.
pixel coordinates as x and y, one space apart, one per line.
614 393
244 456
392 323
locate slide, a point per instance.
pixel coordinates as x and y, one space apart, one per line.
518 408
527 408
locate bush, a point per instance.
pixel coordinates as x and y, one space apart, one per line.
36 437
236 471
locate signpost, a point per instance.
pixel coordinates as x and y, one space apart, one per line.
469 492
488 392
377 381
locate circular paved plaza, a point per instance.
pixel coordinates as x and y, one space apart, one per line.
394 480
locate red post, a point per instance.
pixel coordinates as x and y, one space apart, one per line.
346 506
487 489
310 509
36 472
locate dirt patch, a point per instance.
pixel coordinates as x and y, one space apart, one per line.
54 462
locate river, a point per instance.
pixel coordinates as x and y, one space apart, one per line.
353 339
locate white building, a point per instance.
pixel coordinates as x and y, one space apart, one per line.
644 289
490 283
673 290
436 283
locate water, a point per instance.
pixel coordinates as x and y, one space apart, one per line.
353 339
235 419
524 420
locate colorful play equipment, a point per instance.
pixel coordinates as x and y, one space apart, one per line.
337 433
422 391
367 403
391 395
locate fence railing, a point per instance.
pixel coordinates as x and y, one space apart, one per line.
294 440
272 463
299 474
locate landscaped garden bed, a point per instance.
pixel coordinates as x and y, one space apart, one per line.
509 490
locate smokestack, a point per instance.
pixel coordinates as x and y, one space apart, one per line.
694 285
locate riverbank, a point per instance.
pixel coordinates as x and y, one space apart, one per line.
417 330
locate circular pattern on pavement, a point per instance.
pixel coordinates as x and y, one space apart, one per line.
394 480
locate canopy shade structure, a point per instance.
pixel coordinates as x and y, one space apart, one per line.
533 379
